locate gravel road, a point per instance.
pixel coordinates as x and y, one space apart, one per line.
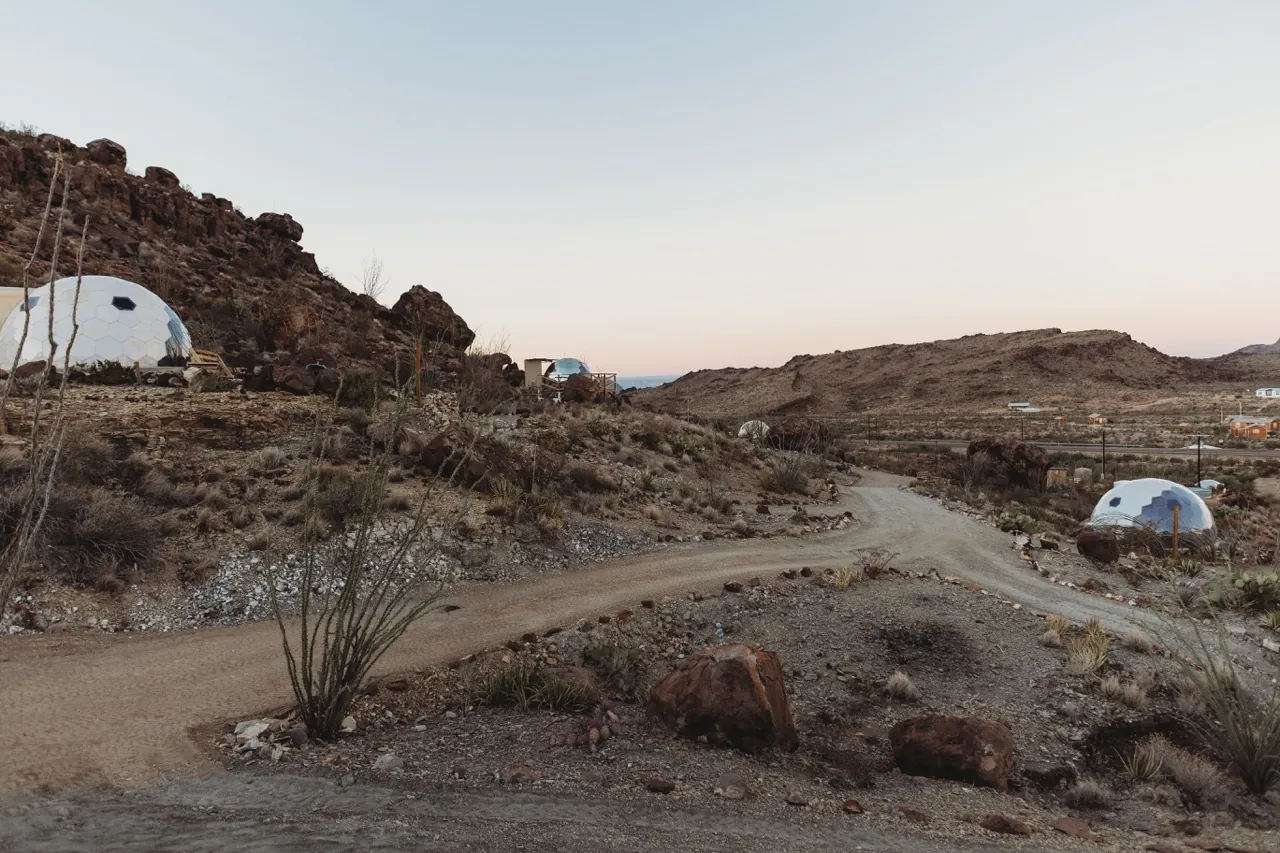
117 709
295 814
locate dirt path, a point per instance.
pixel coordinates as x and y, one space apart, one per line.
116 710
283 814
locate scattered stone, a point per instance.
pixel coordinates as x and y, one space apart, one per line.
789 574
806 572
762 509
1004 825
853 807
913 815
398 685
733 586
795 798
731 693
1073 827
966 749
1162 847
1049 776
1098 546
389 761
647 604
660 786
731 787
458 771
348 725
753 582
514 774
298 736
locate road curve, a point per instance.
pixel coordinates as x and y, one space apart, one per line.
116 710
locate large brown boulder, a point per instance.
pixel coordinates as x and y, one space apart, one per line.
162 176
295 380
731 693
966 749
1013 463
107 152
425 313
581 388
1099 546
282 224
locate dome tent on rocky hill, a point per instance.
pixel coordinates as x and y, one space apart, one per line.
118 321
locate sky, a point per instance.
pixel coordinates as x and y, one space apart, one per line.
665 186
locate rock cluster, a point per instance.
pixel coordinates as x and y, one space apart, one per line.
243 285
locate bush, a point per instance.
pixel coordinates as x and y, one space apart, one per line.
589 479
1243 725
874 561
1088 794
527 686
618 666
359 391
787 476
900 688
97 531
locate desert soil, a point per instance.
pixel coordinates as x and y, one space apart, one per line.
120 710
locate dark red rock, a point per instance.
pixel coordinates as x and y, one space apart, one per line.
1073 827
731 693
1099 546
282 224
660 786
162 176
107 152
295 380
966 749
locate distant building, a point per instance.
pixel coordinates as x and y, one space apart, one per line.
1060 420
1026 404
1261 392
1096 418
1249 427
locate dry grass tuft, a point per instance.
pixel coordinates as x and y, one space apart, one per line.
1146 762
1271 621
1059 624
1088 794
874 561
1153 759
1137 641
267 460
1088 653
844 577
900 688
1051 639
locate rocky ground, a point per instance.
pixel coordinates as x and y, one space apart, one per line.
967 654
225 482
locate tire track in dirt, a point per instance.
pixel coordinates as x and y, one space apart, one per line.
117 710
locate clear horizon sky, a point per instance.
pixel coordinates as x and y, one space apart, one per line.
665 186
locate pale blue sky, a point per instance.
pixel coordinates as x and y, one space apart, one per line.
663 186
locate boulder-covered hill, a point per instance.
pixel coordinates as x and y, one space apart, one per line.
973 372
244 286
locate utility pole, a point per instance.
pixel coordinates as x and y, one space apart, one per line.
1199 445
1104 454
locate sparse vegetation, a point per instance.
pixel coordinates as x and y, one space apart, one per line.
1127 693
1155 758
619 666
1137 641
1087 652
901 689
528 686
1088 794
786 476
874 561
1051 639
844 577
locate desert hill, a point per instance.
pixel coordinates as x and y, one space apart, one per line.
244 286
1260 349
975 371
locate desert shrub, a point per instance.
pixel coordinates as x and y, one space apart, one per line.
506 498
529 686
1256 590
786 476
94 530
359 391
1087 653
588 478
619 666
1087 794
1243 725
1051 639
260 541
900 688
1146 762
1155 759
399 501
206 520
1127 693
1271 621
1059 623
267 460
874 561
844 577
1137 641
241 517
648 482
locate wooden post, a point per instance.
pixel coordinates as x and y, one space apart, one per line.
1177 514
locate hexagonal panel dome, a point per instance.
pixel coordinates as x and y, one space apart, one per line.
1149 503
119 321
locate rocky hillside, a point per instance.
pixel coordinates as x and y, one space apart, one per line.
1260 349
976 371
244 286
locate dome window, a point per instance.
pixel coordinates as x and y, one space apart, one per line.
124 303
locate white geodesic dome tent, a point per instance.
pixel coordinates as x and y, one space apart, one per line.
1149 503
119 321
754 431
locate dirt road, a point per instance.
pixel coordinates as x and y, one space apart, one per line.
290 814
116 710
